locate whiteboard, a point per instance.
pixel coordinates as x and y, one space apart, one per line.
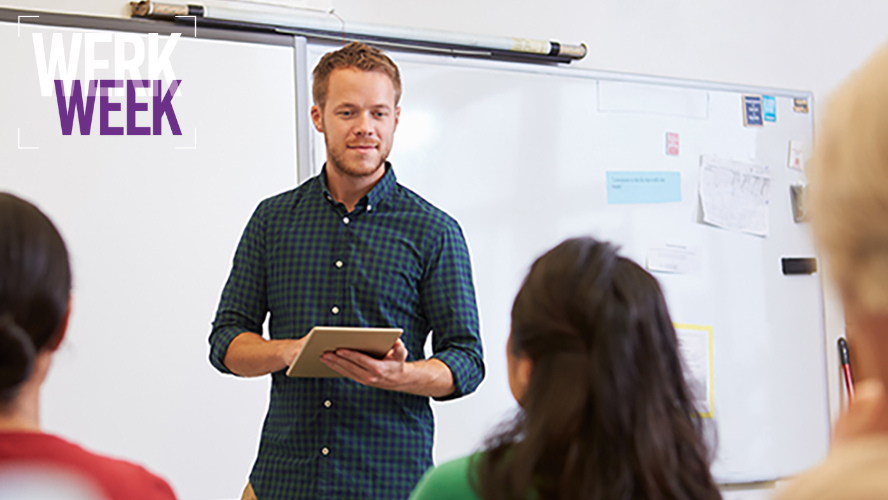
518 154
151 231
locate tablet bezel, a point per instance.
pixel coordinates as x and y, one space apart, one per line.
371 341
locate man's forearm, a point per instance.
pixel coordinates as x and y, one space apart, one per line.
430 377
250 355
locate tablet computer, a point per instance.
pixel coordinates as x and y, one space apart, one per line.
371 341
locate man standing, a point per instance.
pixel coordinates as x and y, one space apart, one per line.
350 247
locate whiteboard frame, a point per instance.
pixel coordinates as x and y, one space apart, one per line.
308 168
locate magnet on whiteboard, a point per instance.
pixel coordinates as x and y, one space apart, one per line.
796 155
769 108
797 196
672 143
752 111
799 265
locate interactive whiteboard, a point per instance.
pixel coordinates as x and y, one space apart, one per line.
524 156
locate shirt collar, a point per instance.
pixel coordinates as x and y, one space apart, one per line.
380 192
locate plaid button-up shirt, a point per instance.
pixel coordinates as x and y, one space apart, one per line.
394 261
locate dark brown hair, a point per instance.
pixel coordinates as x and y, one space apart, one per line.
35 283
354 55
607 413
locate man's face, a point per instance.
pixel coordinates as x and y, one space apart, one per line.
358 121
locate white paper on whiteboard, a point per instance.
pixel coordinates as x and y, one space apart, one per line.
677 259
796 155
734 194
695 345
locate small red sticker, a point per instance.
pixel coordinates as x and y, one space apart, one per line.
672 144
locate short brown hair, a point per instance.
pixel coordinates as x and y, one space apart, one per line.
849 186
354 55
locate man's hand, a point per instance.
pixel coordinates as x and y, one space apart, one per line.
385 373
288 349
426 378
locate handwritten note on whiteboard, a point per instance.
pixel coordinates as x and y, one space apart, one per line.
734 195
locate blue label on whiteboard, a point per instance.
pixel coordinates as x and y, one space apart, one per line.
643 187
752 110
769 108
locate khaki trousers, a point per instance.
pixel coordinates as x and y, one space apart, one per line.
249 494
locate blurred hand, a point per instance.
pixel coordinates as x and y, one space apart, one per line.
867 414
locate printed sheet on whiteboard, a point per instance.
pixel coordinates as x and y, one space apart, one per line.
734 194
695 345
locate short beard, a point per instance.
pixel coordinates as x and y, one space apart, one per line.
340 165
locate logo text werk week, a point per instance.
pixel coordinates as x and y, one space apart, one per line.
70 92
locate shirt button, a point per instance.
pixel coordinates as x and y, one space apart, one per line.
325 451
338 263
369 207
327 404
335 310
345 220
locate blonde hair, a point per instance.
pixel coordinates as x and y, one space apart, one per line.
848 192
354 55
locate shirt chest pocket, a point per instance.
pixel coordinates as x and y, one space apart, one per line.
388 276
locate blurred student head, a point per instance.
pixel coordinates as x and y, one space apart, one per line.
594 363
35 285
35 289
848 190
848 202
848 206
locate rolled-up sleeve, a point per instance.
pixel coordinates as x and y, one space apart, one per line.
244 303
448 296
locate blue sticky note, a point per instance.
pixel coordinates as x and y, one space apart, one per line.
752 110
769 108
643 187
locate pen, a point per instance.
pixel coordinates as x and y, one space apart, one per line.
846 367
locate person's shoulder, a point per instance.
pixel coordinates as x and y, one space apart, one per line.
131 481
449 480
287 199
411 201
432 221
118 479
854 471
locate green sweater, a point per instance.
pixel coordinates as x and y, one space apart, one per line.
448 481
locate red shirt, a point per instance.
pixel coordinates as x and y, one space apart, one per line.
116 479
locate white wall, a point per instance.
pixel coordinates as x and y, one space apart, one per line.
796 44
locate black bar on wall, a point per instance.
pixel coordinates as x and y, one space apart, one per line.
142 26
